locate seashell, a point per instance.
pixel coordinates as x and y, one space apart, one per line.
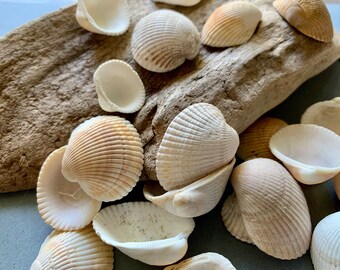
107 17
204 261
325 248
144 232
119 87
62 204
197 142
163 40
311 153
231 24
337 185
310 17
325 114
193 200
254 141
185 3
273 208
81 249
105 156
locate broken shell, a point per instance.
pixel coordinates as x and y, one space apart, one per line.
108 17
325 248
193 200
119 87
197 142
310 152
254 141
185 3
144 232
273 208
337 185
74 250
231 24
105 156
310 17
62 204
163 40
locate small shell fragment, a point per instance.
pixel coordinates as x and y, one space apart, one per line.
185 3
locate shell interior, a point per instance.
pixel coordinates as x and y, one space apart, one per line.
185 3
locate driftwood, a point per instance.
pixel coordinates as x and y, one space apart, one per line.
46 86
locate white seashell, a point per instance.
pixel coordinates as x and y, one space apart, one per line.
163 40
311 153
119 87
108 17
81 249
197 142
193 200
337 185
231 24
185 3
325 248
144 232
62 204
105 156
204 261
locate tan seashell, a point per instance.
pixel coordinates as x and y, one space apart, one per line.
105 156
273 208
185 3
163 40
336 180
197 142
310 17
254 141
63 204
107 17
119 87
231 24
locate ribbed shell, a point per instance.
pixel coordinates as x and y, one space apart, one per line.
310 17
105 156
76 250
197 142
337 185
185 3
273 208
163 40
325 248
231 24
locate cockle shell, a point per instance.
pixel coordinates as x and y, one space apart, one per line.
273 208
197 142
119 87
80 249
105 156
193 200
311 153
144 232
108 17
231 24
325 248
337 185
63 204
163 40
185 3
310 17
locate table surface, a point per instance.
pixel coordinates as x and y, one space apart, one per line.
22 231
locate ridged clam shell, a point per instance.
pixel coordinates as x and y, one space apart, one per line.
193 200
108 17
273 208
231 24
144 232
163 40
81 249
337 185
63 204
185 3
311 153
197 142
325 248
310 17
254 141
119 87
105 156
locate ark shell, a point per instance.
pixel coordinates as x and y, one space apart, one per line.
105 156
63 204
337 185
185 3
197 142
163 40
231 24
144 232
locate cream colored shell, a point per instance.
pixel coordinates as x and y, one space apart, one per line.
337 185
186 3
